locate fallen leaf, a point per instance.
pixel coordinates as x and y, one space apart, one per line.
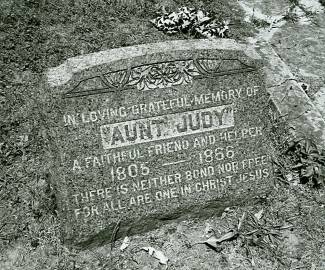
240 221
228 236
201 16
259 214
225 211
156 254
214 240
187 20
208 229
125 244
253 261
211 241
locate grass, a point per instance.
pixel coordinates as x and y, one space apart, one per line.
38 34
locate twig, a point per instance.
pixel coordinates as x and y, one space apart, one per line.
241 220
285 227
113 238
292 218
251 232
300 267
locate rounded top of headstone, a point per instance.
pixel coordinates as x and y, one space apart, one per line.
61 74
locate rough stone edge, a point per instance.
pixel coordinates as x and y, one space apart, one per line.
61 74
290 99
319 101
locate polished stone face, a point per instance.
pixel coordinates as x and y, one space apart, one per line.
154 137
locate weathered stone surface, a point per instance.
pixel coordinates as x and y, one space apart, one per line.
294 59
291 101
156 132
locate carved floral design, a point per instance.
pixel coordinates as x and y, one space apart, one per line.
163 75
158 75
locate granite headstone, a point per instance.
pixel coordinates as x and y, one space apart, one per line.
156 132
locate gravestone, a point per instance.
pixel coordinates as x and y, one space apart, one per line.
156 132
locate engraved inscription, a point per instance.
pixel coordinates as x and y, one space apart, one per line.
166 126
141 154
